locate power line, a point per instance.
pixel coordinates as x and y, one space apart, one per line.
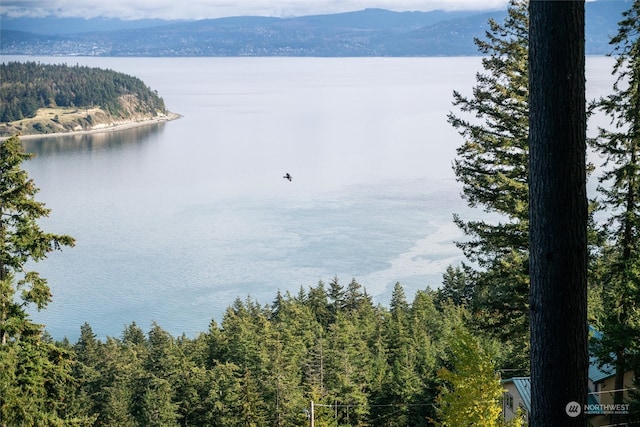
612 391
353 405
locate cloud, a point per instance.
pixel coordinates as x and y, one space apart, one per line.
201 9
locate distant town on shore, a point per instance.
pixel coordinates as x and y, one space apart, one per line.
369 32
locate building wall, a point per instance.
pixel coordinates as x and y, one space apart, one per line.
605 394
510 405
604 391
607 387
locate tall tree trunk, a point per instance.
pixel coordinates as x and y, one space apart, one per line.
618 395
558 213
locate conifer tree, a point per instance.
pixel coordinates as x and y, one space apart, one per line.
291 334
456 287
336 296
224 404
318 302
348 358
426 326
492 165
88 353
21 241
33 370
253 411
115 396
620 190
397 324
402 383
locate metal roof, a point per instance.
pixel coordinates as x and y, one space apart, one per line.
523 387
598 373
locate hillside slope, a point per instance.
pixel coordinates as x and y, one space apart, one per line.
39 99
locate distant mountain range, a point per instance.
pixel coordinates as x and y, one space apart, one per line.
370 32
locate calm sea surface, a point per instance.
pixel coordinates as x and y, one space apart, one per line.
174 221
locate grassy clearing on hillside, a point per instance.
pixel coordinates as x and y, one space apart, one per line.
55 120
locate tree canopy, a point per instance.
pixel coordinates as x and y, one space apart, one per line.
493 166
34 373
28 86
424 361
619 203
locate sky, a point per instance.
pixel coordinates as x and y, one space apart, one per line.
203 9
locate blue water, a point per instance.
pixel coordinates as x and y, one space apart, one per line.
174 221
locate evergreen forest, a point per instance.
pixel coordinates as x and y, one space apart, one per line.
329 355
29 86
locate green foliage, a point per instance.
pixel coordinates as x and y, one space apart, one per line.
368 366
457 287
36 385
21 239
28 86
470 395
619 267
492 165
36 388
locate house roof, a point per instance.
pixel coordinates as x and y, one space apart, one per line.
598 372
523 387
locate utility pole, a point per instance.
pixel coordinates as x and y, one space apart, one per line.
311 416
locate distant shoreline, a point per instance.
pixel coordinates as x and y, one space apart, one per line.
113 127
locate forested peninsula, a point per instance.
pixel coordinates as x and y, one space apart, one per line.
41 99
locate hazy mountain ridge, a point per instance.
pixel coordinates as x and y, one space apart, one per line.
370 32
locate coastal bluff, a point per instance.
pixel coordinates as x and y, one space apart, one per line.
39 100
57 121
